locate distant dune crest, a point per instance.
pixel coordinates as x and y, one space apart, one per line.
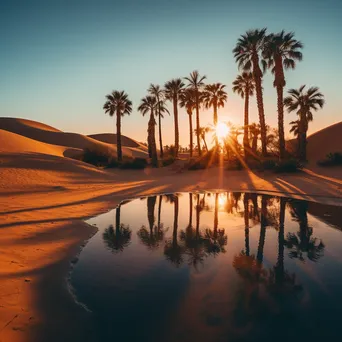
32 136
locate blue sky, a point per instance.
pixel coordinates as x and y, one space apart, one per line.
60 58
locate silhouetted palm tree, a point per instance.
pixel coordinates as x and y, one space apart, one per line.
247 53
215 239
214 96
304 103
149 105
118 104
172 250
303 243
254 130
173 89
193 239
244 86
188 100
263 224
281 50
196 84
119 238
202 132
158 93
153 236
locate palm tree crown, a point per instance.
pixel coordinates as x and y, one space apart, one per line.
196 83
214 96
248 55
304 103
118 104
172 92
244 83
282 47
148 104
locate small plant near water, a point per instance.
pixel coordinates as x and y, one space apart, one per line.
332 159
102 159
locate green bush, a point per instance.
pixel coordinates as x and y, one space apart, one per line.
135 164
269 164
204 161
167 161
290 165
332 159
94 157
234 164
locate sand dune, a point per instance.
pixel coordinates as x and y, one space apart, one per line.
325 141
73 143
110 138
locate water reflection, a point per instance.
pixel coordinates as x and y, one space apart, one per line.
205 266
119 238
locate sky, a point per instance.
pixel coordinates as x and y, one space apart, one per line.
59 58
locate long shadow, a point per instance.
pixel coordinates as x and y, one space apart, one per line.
93 199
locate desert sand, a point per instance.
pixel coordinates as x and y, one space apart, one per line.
45 196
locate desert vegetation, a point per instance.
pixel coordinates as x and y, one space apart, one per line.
256 52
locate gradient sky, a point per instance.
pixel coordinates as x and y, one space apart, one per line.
60 58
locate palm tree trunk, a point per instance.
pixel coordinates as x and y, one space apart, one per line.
246 123
152 140
281 240
191 134
216 216
175 221
118 136
245 203
257 74
159 209
190 210
205 143
215 123
151 202
160 136
175 111
280 103
117 217
198 125
260 254
302 138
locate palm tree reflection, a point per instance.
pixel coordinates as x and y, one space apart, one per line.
151 237
215 239
172 250
302 243
119 238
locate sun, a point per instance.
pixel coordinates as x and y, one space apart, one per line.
222 130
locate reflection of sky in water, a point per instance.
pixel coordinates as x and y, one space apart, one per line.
214 288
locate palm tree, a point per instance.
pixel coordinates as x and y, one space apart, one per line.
149 104
302 242
214 96
188 100
304 103
215 239
202 132
247 54
173 251
172 91
118 104
254 129
151 237
158 93
196 83
263 224
244 86
119 238
281 51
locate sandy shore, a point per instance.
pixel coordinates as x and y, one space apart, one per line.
42 228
